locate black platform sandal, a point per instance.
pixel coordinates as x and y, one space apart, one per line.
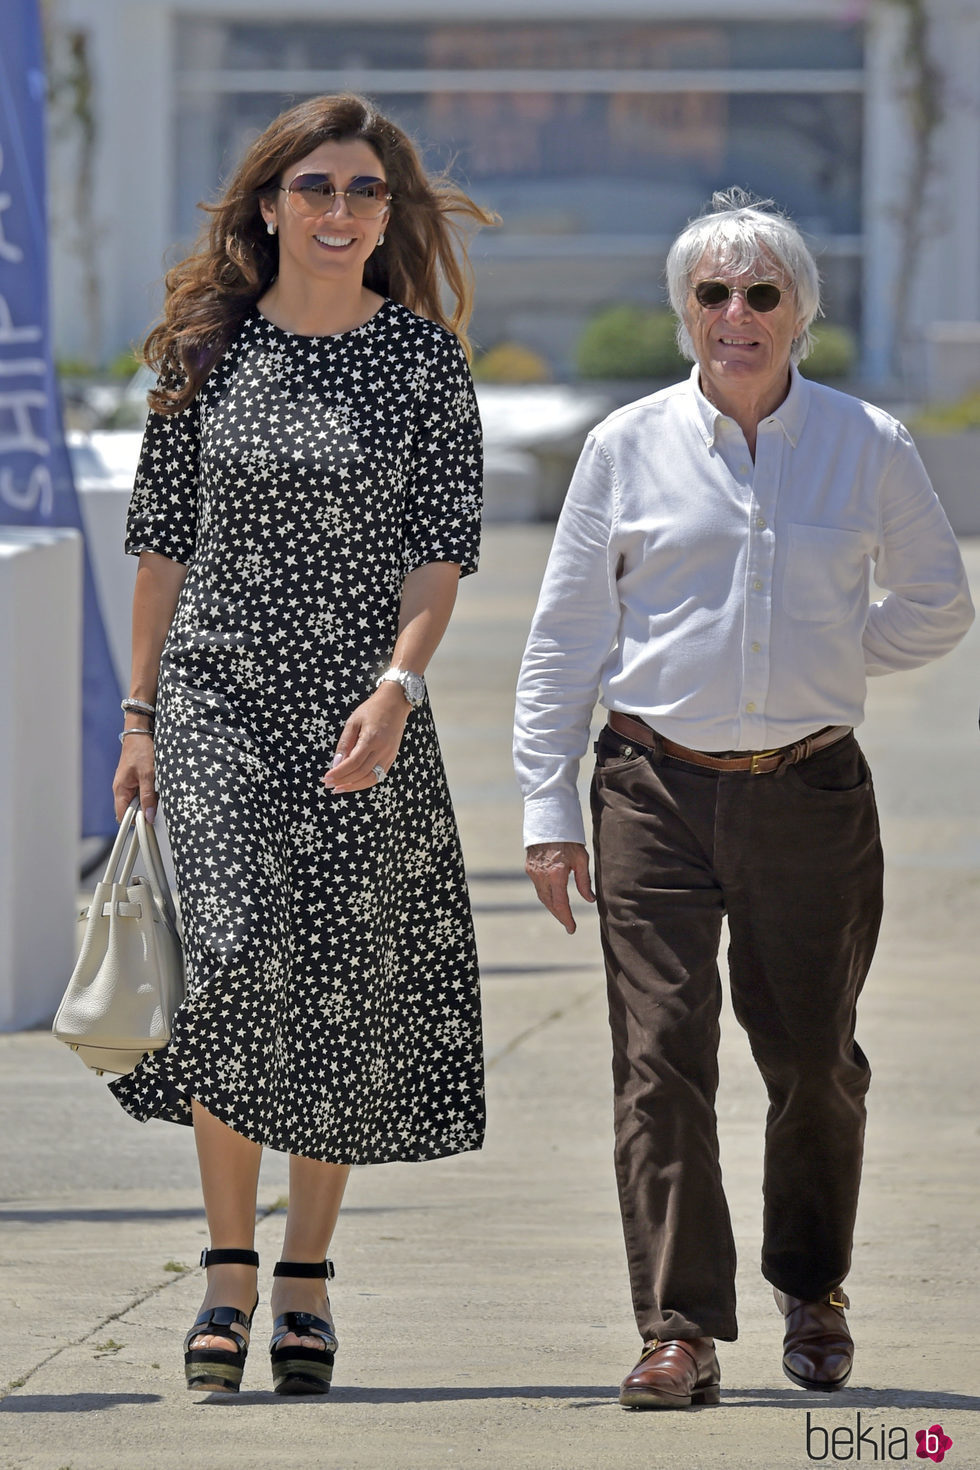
219 1370
297 1369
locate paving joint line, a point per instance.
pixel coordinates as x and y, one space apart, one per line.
16 1384
548 1020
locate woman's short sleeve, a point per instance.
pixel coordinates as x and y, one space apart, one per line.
163 509
445 495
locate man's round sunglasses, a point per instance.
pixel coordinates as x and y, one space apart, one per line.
311 195
760 296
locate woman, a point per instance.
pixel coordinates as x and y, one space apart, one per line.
307 499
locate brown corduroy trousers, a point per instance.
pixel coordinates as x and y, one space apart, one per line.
794 860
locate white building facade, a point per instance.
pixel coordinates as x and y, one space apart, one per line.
595 132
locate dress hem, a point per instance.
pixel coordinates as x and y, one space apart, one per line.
167 1114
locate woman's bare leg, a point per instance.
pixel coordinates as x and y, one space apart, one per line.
316 1190
229 1166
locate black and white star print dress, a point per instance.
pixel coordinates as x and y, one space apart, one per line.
332 1008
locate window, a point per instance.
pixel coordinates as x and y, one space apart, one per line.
594 141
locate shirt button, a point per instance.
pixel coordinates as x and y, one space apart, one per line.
750 707
757 648
758 584
743 469
761 523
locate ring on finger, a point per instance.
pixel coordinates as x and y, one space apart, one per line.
379 772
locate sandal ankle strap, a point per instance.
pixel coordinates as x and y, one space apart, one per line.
229 1258
322 1270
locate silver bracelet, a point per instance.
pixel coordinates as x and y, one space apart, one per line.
138 707
124 733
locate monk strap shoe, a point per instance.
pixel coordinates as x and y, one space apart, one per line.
673 1375
818 1351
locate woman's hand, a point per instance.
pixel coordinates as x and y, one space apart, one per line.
135 776
370 738
374 731
158 584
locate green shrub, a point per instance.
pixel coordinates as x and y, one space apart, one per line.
630 341
124 365
834 354
74 367
511 362
121 367
949 418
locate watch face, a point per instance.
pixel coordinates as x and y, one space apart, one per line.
414 687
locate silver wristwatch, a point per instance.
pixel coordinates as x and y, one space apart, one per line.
413 685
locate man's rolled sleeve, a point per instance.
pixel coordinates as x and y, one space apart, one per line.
928 608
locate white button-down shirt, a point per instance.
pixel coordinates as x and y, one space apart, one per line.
726 602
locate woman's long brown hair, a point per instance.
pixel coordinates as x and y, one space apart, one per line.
211 291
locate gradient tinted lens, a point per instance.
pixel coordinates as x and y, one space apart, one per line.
368 198
314 194
760 296
311 194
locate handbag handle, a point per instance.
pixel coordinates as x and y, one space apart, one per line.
150 853
115 856
142 841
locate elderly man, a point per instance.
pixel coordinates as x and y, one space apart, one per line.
709 584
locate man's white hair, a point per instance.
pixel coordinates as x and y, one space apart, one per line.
742 234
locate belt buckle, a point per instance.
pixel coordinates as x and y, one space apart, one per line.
761 755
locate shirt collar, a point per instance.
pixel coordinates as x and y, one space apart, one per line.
790 415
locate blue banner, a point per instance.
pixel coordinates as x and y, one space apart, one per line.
36 485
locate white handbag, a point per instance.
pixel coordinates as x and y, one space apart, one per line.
129 977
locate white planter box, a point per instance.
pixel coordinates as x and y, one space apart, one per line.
40 768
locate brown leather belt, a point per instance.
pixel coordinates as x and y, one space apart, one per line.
759 762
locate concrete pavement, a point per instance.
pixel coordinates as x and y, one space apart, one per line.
481 1301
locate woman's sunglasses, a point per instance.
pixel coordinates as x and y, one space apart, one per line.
313 194
760 296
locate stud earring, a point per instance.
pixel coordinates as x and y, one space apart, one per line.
381 238
270 227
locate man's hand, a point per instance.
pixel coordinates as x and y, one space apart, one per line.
548 865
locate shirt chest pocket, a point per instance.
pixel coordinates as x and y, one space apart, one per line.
825 575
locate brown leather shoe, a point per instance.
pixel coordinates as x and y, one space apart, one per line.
818 1351
673 1375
